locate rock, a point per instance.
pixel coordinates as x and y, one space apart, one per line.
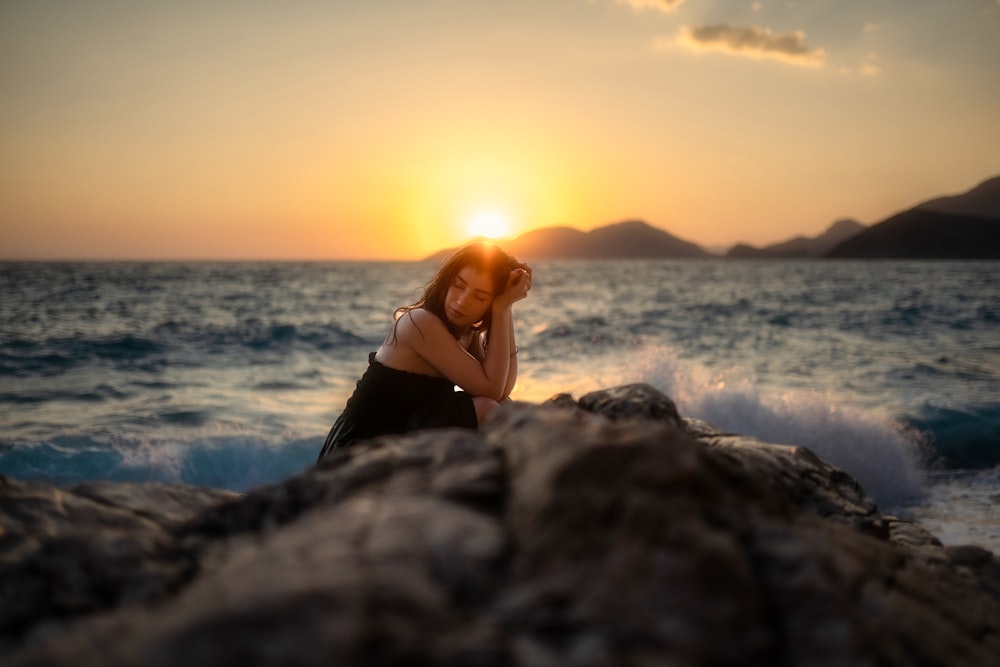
70 552
632 401
909 533
594 532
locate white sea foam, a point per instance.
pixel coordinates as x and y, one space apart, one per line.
879 452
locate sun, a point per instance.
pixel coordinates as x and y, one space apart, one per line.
490 224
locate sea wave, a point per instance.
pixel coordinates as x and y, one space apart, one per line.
236 463
961 437
885 455
24 358
170 343
891 457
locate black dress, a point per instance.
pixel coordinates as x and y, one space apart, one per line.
387 400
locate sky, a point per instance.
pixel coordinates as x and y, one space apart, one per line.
383 129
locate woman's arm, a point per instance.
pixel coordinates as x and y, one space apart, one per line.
428 337
525 270
478 350
512 368
525 285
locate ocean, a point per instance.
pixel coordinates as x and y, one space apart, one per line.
229 374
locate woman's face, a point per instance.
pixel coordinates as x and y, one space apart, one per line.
469 297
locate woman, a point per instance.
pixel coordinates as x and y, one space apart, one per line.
460 332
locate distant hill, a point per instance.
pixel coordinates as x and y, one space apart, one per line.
982 201
965 226
923 234
630 239
800 246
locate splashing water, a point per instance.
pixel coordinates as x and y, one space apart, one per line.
880 453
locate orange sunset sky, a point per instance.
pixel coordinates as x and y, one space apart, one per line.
377 129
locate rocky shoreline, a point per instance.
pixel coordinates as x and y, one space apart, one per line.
601 531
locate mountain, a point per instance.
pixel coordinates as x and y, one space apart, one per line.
924 234
982 201
800 246
964 226
630 239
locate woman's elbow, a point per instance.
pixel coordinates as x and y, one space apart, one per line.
483 391
487 390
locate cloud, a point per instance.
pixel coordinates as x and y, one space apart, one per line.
871 67
751 42
661 5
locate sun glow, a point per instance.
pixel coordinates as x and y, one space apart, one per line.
490 224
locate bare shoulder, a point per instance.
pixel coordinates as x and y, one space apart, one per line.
419 315
419 322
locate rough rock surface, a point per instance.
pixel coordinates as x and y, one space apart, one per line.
602 531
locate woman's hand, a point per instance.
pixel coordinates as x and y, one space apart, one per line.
518 284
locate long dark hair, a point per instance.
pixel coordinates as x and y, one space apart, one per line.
482 255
